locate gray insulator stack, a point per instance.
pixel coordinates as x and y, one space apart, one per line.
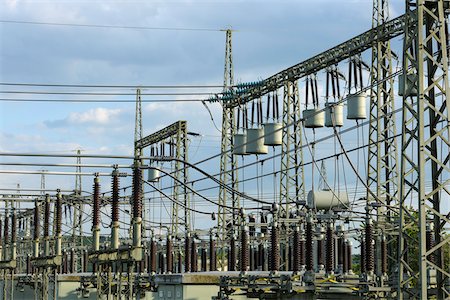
344 255
115 198
330 250
363 256
13 228
72 261
137 193
245 255
153 252
341 251
232 254
58 215
384 264
6 231
262 257
212 254
187 255
309 247
46 218
296 261
370 255
85 261
203 258
96 208
348 254
320 252
36 221
274 249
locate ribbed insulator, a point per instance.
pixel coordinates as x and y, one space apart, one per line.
430 244
85 261
245 255
253 258
232 255
194 262
384 265
261 257
13 228
162 268
348 253
302 252
370 255
274 249
309 247
212 254
115 198
46 218
137 193
320 252
65 263
58 214
187 255
296 262
203 259
341 250
330 250
169 255
344 256
152 258
6 231
179 262
363 256
36 221
72 260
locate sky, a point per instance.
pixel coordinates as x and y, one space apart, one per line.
268 36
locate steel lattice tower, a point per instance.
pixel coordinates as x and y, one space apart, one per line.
425 149
382 173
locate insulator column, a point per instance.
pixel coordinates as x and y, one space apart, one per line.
96 215
430 241
274 248
169 255
115 211
36 229
344 255
297 264
85 261
212 254
13 236
384 262
46 226
309 246
232 254
349 256
187 255
262 256
245 258
153 252
72 261
137 206
204 259
363 256
194 262
341 251
330 250
58 216
370 255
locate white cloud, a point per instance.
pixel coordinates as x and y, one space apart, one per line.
95 115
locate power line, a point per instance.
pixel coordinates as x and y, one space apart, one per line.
97 100
110 26
105 93
181 86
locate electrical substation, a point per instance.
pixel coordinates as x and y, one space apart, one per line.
332 182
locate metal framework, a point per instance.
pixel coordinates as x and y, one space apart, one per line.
178 133
228 162
425 152
382 173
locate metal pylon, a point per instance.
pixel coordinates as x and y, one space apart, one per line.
425 151
228 163
382 173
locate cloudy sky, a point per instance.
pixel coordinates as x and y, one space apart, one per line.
181 45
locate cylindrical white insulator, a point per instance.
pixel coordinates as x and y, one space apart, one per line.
314 118
255 141
273 135
153 174
239 144
334 114
326 200
356 107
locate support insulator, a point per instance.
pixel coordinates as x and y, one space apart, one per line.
320 252
363 256
245 255
309 247
232 254
58 214
85 261
302 252
46 216
274 249
341 250
115 197
36 221
169 255
344 256
153 252
96 208
6 231
262 257
187 255
212 254
13 228
161 263
72 261
194 260
384 262
179 262
296 262
370 255
330 250
137 192
430 242
203 259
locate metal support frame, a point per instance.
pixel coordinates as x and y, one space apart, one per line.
425 151
228 162
382 173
